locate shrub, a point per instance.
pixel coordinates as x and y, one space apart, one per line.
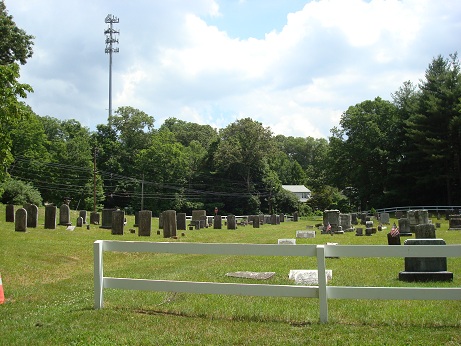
18 192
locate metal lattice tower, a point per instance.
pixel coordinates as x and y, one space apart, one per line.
111 39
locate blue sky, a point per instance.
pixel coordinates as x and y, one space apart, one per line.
295 66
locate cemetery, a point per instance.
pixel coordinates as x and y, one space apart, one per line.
66 269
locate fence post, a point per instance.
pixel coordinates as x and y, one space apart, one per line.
321 274
98 274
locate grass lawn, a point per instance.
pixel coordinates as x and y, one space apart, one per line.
48 285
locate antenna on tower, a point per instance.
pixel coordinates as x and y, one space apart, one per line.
111 39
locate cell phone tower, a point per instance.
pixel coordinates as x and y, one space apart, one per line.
111 39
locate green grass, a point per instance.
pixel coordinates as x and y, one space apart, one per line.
48 284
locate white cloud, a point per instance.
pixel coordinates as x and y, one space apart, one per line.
330 55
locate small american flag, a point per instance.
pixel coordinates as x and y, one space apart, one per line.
395 231
329 229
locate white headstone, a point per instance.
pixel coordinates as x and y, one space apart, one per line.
307 277
287 241
305 234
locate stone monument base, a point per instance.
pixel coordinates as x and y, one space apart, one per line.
425 276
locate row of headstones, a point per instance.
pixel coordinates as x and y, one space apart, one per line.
28 216
438 215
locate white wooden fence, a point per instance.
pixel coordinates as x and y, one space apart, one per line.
322 291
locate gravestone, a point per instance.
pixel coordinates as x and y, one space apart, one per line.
231 222
308 277
197 215
80 221
331 220
251 275
160 220
83 215
305 234
393 240
20 223
359 232
217 222
286 242
425 231
32 215
117 222
261 219
417 217
282 217
384 218
136 219
454 223
169 223
295 216
64 215
9 217
420 269
404 227
107 218
50 216
346 222
145 223
256 221
94 218
399 214
354 220
203 221
273 219
181 221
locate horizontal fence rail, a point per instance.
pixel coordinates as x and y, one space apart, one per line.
321 292
431 208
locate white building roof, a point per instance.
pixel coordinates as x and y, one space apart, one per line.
296 188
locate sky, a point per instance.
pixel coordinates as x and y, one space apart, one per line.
295 66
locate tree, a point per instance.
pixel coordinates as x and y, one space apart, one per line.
15 46
164 165
242 150
434 129
362 149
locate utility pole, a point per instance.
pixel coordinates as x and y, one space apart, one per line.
94 180
111 39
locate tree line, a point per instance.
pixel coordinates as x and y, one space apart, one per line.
383 152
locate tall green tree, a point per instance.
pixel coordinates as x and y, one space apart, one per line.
15 47
435 129
361 150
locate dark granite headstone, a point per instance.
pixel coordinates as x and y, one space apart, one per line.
9 217
273 219
295 216
425 268
282 217
231 224
393 240
256 221
144 223
217 222
32 215
107 218
455 222
169 223
79 222
82 214
181 221
94 218
404 227
118 221
50 216
20 223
